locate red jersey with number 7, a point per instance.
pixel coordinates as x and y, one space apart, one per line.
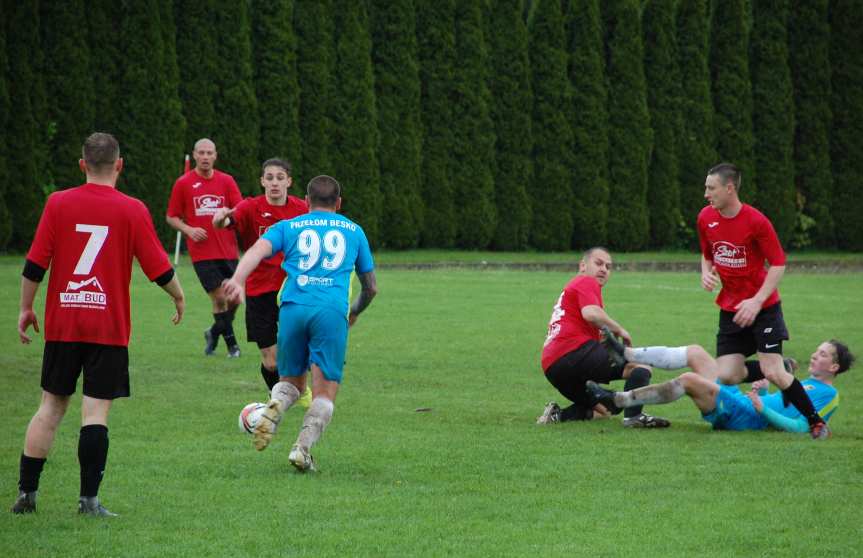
251 219
738 247
88 236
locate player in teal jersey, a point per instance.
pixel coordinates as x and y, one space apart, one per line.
321 250
726 407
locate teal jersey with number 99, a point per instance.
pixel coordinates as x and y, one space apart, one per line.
321 250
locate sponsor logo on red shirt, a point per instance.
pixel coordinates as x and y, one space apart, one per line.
726 254
208 204
75 297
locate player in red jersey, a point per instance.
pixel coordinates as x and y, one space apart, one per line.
573 354
87 235
196 197
251 218
736 241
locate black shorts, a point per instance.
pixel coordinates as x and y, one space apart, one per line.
569 373
106 369
211 273
262 319
765 335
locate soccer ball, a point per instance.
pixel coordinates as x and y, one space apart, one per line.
250 415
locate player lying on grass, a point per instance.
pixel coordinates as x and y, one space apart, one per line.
726 407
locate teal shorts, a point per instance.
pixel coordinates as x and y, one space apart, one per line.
734 411
311 335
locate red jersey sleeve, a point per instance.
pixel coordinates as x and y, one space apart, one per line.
176 204
706 249
42 250
242 214
768 242
587 293
148 250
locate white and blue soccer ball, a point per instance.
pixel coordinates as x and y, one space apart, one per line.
250 415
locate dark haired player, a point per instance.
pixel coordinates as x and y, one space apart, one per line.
736 241
726 407
322 249
251 219
88 236
195 199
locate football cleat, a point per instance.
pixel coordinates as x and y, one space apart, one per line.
212 341
614 347
91 506
550 414
302 460
790 365
306 398
603 396
25 503
819 431
234 351
267 425
644 420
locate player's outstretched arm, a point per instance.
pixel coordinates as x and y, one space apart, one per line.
598 317
174 289
233 287
222 218
27 317
369 284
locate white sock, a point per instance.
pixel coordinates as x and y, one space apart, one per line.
286 394
669 358
665 392
317 418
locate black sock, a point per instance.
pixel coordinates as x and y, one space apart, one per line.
92 456
640 377
227 327
753 371
30 470
271 377
796 395
576 412
218 325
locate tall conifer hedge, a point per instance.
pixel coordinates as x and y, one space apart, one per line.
773 116
629 132
809 41
696 143
663 100
276 85
355 134
473 134
436 45
732 91
551 189
589 122
397 89
846 140
199 66
509 85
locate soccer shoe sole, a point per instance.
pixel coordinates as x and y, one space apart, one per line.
614 347
267 425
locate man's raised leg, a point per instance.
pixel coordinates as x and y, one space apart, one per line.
284 394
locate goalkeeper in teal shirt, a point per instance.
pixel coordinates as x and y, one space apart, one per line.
726 407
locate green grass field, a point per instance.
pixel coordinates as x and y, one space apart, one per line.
472 477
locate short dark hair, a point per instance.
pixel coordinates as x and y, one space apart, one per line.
276 162
323 191
727 172
843 357
100 151
589 252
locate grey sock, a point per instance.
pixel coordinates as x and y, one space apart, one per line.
317 418
286 394
665 392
